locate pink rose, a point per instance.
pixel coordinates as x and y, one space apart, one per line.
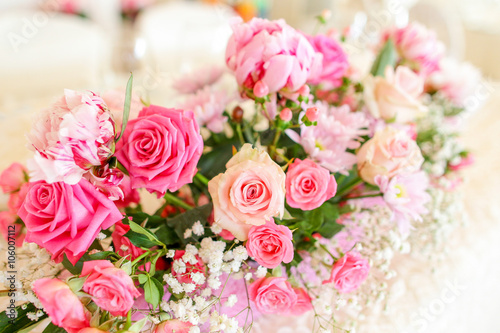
61 304
160 149
308 185
419 46
272 295
65 219
271 52
334 61
250 192
16 198
12 178
7 226
303 304
173 326
270 244
395 97
92 330
388 153
110 287
185 275
349 272
123 245
70 137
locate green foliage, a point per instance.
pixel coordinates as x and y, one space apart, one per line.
51 328
22 322
126 107
186 220
386 57
153 291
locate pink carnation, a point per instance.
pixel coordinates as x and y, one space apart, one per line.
65 219
308 185
273 295
107 181
61 304
270 244
349 272
407 196
208 107
334 61
270 52
110 287
160 149
338 129
73 135
419 46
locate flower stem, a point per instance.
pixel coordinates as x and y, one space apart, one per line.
176 201
202 178
272 147
327 251
240 134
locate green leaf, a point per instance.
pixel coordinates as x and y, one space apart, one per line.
102 255
386 57
214 162
159 286
75 269
76 284
186 220
8 325
138 325
126 107
54 329
140 240
314 219
167 235
152 293
143 278
140 230
277 272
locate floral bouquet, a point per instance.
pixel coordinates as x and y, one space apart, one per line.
289 195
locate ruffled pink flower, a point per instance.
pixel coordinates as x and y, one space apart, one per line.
65 219
111 288
273 295
308 185
271 52
407 196
198 79
338 129
419 46
334 62
208 107
349 272
270 244
70 137
250 192
107 181
62 305
160 149
12 178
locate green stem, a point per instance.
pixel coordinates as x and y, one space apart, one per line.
202 178
349 186
240 134
272 147
176 201
327 251
139 258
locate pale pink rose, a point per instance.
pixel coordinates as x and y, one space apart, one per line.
61 304
458 81
7 223
272 295
12 178
338 130
334 62
250 192
271 52
65 219
173 326
349 272
115 100
111 288
185 276
197 79
390 152
407 196
208 107
395 97
270 244
123 245
308 185
303 304
73 135
160 149
419 46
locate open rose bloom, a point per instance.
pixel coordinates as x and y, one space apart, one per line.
283 185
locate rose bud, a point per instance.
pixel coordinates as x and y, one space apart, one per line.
237 114
312 114
260 89
286 114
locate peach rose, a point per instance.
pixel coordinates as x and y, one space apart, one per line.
395 96
388 153
250 192
61 304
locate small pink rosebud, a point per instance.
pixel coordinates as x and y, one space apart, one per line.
312 113
304 90
326 14
286 114
260 89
